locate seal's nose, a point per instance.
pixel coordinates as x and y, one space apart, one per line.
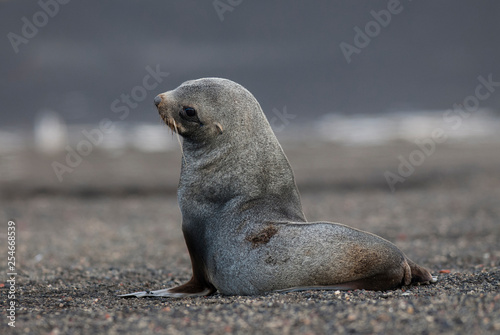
157 100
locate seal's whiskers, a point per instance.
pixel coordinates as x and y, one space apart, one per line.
179 140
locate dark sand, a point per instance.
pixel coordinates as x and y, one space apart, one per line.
113 227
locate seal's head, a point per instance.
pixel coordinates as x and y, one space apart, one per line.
200 110
231 157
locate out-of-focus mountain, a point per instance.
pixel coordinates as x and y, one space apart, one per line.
426 56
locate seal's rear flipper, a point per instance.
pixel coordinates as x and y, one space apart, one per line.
420 275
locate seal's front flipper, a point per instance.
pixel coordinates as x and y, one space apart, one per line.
168 293
193 288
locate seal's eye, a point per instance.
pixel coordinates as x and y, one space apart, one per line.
189 114
190 111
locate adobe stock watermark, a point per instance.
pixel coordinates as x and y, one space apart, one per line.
121 107
281 119
12 300
453 119
223 6
372 29
30 28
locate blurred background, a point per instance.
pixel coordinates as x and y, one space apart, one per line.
389 112
341 72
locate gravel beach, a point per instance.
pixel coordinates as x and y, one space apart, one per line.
113 227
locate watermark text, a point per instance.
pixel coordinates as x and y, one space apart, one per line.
372 29
453 119
95 137
223 6
11 273
30 28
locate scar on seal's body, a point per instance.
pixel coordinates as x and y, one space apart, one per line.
263 236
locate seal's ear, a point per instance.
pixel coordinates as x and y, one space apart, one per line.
219 127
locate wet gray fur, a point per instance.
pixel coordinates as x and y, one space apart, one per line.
241 210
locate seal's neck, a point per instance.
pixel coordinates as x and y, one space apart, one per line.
235 173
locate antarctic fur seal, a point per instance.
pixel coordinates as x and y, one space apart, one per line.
242 217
